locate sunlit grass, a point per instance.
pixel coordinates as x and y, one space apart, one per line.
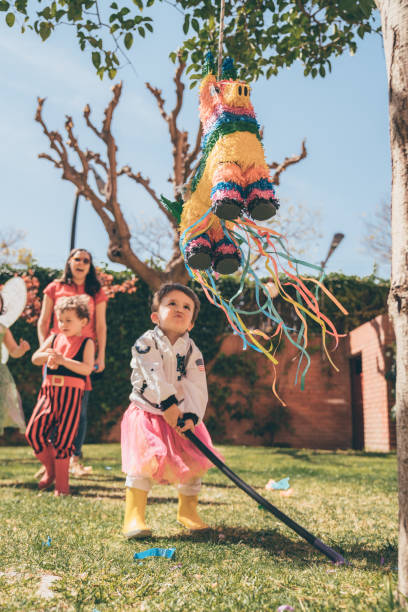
250 561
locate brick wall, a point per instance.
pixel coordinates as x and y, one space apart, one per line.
321 415
371 340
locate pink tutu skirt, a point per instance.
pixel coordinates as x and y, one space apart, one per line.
153 449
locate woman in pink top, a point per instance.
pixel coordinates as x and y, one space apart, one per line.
79 277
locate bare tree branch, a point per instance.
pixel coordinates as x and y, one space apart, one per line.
106 205
288 161
95 157
87 112
190 159
56 163
178 138
160 102
145 182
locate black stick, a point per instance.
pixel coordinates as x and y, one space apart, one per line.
309 537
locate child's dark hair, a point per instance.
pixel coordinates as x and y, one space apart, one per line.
167 288
78 303
92 284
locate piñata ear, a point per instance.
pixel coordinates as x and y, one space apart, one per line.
228 69
209 65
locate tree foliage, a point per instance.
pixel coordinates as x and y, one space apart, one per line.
263 36
105 31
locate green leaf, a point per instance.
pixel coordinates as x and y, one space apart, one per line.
186 23
141 31
139 4
112 73
96 59
4 6
10 19
45 30
174 208
128 40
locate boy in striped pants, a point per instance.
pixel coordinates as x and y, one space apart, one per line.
69 360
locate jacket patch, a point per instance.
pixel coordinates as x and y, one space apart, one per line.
200 364
181 366
142 350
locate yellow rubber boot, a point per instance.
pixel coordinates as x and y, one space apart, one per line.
134 525
187 513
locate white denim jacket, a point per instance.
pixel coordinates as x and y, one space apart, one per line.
163 372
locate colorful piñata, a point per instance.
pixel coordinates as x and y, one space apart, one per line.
233 177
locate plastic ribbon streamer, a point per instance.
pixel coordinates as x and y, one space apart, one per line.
167 553
262 242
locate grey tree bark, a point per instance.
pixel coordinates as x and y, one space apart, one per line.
394 21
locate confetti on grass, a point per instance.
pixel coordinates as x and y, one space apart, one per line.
167 553
280 485
47 541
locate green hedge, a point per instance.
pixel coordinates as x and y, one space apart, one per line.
128 316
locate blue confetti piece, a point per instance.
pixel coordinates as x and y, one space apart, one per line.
280 485
47 541
108 467
167 553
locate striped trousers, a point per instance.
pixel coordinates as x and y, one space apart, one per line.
55 420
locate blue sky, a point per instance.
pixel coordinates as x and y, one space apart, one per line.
343 117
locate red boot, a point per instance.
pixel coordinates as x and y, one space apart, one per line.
61 477
47 459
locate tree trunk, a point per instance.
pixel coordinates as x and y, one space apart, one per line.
394 19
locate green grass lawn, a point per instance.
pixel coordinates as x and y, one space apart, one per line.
250 561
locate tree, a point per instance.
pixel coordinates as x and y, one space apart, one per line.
102 192
394 20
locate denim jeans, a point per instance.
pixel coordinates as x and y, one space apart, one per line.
83 419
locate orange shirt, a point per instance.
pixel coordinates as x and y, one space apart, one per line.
56 289
68 347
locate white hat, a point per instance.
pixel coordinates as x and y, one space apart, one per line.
14 298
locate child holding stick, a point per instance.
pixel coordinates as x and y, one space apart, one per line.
169 396
69 359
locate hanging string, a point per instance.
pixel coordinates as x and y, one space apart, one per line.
221 38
